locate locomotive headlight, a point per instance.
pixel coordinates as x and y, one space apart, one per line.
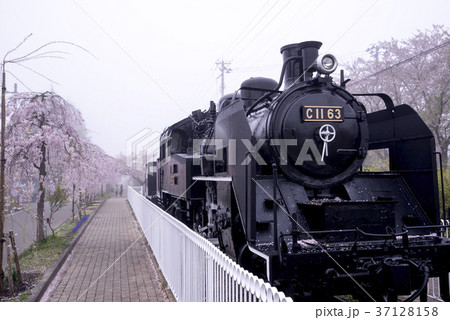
326 63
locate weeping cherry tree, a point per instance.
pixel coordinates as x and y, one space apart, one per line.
43 134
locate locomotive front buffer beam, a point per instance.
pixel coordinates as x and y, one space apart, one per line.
373 271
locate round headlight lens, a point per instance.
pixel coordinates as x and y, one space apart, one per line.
326 64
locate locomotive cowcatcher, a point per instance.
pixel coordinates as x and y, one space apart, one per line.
273 177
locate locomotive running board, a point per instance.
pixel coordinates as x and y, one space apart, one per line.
212 178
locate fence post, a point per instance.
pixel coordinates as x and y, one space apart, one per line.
10 275
16 258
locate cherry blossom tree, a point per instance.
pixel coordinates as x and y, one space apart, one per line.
125 170
89 170
44 133
57 200
47 146
42 52
415 71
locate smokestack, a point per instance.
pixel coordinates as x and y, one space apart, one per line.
303 67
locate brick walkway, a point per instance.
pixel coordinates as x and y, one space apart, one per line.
91 273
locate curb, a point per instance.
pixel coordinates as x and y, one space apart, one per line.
38 291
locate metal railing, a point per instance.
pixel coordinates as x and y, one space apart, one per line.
433 290
193 267
196 270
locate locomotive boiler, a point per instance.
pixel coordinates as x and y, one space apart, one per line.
273 177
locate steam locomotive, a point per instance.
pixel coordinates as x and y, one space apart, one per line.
273 177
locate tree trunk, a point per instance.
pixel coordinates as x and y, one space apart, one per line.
80 206
40 206
50 226
73 203
444 152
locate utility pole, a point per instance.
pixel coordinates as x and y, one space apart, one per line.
2 176
223 67
2 172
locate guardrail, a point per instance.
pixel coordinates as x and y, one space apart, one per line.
193 267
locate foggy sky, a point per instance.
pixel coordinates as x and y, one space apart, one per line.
151 63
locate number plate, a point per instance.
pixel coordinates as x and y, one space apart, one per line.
323 113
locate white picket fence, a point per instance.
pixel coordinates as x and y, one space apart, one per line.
194 268
433 290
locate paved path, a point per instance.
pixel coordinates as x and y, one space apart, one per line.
109 263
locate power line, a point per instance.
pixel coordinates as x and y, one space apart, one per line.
247 26
340 37
257 23
201 88
352 25
260 31
245 32
405 61
132 59
267 24
281 34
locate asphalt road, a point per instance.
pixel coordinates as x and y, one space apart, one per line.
23 224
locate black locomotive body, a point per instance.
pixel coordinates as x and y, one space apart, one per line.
274 178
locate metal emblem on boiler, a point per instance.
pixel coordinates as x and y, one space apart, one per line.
327 133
